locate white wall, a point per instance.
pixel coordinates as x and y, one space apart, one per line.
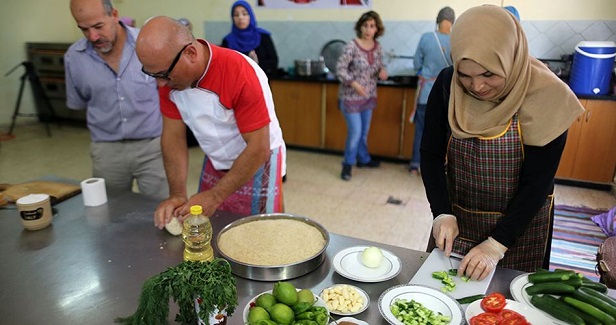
24 21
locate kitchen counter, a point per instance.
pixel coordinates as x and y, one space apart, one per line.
89 265
393 81
402 81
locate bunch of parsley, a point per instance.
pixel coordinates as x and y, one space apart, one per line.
211 282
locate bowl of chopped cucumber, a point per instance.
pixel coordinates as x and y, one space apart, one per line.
418 304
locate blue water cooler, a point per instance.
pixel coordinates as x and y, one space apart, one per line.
591 71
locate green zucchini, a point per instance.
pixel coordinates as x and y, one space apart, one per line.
600 287
594 301
574 282
599 295
590 310
555 288
560 303
542 277
469 299
543 303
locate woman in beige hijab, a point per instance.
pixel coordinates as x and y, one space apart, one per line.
496 126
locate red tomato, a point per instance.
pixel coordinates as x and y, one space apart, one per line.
494 302
514 321
507 313
486 319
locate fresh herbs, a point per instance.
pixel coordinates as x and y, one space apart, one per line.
211 282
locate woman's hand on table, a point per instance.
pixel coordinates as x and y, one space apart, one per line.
445 230
482 259
167 210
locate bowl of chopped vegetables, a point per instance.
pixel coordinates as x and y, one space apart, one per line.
418 304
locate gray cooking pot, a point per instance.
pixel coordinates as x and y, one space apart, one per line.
308 67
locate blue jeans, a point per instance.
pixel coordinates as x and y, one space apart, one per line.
420 117
356 147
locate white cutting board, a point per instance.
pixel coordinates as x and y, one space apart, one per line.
437 261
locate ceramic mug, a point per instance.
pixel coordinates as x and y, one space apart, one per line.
34 211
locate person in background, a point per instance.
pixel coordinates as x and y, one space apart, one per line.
358 68
128 21
247 38
186 23
496 126
432 56
224 98
103 76
514 11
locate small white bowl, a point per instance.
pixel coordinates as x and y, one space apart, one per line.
359 291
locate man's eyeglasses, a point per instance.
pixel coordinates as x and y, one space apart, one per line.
165 75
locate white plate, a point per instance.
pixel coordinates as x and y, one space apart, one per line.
518 292
430 298
319 302
347 263
532 315
363 294
349 319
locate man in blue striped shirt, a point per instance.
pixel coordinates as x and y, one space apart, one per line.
103 75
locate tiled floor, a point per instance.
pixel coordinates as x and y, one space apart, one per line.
314 189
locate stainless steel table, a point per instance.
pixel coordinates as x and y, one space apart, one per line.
89 265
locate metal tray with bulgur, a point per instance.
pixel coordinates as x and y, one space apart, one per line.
273 247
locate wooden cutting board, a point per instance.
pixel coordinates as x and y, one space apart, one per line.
437 261
57 191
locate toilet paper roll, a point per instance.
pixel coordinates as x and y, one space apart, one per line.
94 192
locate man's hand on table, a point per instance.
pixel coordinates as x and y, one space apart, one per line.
208 200
168 209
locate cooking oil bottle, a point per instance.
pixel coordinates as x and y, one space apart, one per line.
197 235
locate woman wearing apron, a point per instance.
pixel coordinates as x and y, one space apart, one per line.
496 126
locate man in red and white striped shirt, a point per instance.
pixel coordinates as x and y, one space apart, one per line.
224 98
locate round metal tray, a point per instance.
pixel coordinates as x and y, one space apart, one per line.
277 272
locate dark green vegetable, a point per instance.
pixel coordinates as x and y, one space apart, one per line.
590 310
600 287
599 295
301 307
574 282
469 299
543 303
212 282
542 277
560 303
555 288
453 272
594 301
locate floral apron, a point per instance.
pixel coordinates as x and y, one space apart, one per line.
483 176
262 194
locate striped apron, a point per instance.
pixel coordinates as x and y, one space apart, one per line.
262 194
483 176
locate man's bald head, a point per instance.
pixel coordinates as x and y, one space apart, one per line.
161 37
168 52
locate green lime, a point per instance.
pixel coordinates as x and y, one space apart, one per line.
282 314
256 314
285 293
265 300
305 295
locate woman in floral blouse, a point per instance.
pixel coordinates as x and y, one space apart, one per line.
358 69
